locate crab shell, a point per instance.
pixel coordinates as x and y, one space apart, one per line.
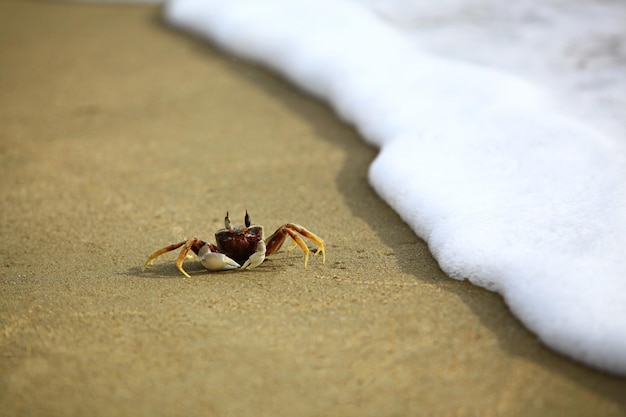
239 242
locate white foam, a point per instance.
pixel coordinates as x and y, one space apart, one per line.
507 192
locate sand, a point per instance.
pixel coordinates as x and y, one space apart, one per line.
119 136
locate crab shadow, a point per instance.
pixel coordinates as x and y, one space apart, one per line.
365 204
166 269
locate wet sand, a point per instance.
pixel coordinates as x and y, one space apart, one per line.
119 136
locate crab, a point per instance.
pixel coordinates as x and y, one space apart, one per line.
243 246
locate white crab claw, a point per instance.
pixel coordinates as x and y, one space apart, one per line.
218 262
256 258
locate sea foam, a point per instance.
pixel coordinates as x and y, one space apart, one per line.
508 192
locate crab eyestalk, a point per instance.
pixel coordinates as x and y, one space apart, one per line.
227 222
247 219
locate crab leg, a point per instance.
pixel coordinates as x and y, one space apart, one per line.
276 240
192 244
183 254
312 237
160 252
298 240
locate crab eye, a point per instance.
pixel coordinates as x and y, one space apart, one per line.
227 221
247 219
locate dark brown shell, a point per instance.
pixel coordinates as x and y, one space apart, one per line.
239 242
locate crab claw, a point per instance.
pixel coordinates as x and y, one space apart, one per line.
218 262
257 257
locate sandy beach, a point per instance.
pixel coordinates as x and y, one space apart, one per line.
118 136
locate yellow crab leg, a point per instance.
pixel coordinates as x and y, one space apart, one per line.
160 252
183 254
298 240
311 236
